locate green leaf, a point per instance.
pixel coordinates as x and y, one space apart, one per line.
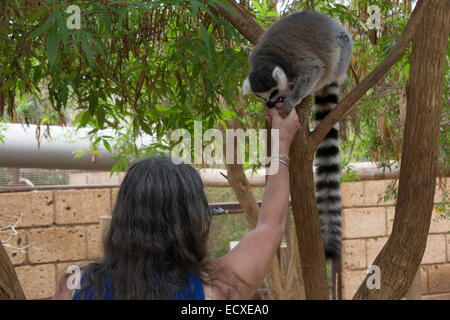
97 45
64 95
44 27
37 74
406 70
97 141
87 51
194 7
140 5
52 45
85 119
63 30
257 6
77 154
122 13
117 167
93 102
100 113
106 20
107 146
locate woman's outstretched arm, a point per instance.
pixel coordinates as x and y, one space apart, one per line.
242 270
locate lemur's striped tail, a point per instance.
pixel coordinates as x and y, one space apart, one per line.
327 177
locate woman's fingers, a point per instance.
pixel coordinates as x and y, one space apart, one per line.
279 105
267 114
274 113
278 116
287 124
293 115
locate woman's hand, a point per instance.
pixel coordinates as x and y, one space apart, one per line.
287 125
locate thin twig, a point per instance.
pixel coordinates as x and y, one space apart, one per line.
224 175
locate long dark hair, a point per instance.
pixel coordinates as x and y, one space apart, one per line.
158 234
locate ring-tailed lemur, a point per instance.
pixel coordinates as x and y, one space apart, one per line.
302 54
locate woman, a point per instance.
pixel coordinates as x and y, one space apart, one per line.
156 247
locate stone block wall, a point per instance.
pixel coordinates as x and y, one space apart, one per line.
61 228
58 229
95 178
366 226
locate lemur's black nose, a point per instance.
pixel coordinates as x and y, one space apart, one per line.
270 104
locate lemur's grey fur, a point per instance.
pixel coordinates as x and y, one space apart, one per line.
298 56
302 54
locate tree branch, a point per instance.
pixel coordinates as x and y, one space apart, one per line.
348 102
241 19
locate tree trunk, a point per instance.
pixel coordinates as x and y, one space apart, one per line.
10 288
415 291
306 218
238 181
400 258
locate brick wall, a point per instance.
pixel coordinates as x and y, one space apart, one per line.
95 178
62 229
366 227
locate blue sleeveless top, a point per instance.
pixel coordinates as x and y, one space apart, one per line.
193 290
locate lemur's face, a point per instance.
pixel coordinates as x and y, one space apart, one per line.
268 83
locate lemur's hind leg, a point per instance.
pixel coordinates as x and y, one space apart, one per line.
345 43
308 78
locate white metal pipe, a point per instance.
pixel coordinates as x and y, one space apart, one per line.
22 150
216 177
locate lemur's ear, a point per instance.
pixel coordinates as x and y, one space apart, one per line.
280 77
246 87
